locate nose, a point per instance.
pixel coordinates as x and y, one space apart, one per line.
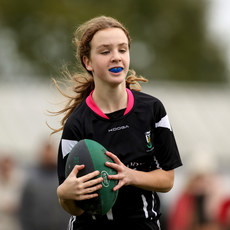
116 57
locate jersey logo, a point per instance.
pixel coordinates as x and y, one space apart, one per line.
118 128
148 139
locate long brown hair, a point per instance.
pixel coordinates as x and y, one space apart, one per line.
82 83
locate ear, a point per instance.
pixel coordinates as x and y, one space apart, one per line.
87 63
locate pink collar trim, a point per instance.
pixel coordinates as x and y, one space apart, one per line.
96 109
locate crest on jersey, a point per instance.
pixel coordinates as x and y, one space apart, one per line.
148 139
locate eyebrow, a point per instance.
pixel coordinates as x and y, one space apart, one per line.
109 45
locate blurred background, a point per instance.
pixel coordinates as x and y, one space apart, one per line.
181 46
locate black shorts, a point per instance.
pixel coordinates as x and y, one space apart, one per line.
144 224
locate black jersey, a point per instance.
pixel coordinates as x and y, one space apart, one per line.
141 137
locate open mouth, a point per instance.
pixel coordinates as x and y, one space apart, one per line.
116 69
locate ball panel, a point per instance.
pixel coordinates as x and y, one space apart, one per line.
80 155
106 193
77 156
92 155
92 206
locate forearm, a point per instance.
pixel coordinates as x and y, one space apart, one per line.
70 207
157 180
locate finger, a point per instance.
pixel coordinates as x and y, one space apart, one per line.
89 176
114 157
89 193
114 177
87 196
76 169
93 182
112 165
118 186
92 189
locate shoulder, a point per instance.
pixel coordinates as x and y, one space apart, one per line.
78 113
75 121
149 104
144 96
146 99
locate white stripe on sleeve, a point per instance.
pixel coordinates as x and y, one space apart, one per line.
67 145
164 122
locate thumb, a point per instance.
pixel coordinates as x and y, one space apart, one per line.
76 169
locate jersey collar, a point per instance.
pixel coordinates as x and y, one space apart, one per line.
92 105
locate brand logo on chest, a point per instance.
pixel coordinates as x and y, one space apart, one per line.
118 128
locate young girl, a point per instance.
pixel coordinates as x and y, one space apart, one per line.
133 126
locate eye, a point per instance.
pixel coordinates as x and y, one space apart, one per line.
105 52
122 51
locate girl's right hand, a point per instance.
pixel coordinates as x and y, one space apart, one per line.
81 188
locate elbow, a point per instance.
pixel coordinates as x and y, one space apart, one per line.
167 188
168 184
70 207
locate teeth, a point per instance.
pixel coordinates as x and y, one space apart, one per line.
116 70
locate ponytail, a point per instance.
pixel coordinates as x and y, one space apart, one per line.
76 89
132 81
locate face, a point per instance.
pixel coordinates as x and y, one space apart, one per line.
109 57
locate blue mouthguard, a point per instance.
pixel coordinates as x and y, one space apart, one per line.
116 70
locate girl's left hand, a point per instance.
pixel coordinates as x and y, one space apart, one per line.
124 174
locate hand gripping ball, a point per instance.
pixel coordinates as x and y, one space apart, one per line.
92 155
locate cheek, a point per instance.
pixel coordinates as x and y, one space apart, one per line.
101 63
98 68
127 57
127 61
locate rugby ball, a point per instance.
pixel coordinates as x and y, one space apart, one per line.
92 155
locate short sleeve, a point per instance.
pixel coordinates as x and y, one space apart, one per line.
70 137
166 151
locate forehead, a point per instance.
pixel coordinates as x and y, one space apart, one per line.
110 36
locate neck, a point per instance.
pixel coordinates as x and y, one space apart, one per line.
112 99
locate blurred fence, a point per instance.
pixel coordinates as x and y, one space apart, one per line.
199 115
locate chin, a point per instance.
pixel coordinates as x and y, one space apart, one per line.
118 79
118 83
